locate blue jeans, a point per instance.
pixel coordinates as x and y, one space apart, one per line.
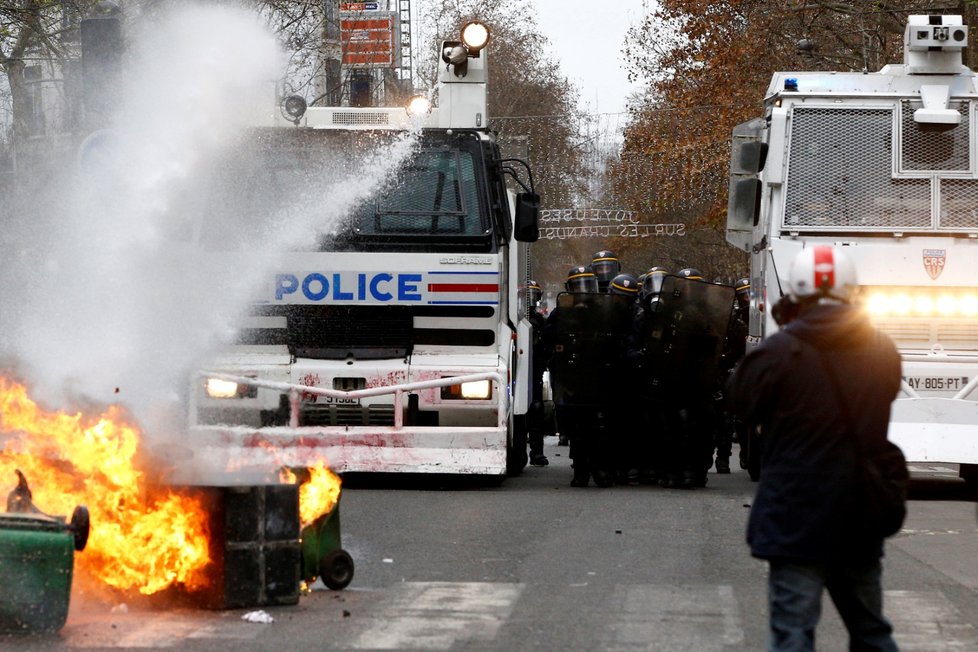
795 604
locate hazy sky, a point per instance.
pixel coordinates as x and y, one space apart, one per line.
587 39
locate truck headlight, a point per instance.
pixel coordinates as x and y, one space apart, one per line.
920 302
218 388
478 390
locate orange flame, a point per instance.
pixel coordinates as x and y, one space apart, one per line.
142 538
318 494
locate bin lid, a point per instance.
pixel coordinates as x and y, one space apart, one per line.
33 522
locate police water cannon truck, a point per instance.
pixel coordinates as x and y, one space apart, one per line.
397 342
884 165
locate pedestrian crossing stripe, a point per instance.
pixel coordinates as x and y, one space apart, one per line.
927 621
436 615
445 615
676 617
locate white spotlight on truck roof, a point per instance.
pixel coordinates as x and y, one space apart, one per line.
418 105
475 35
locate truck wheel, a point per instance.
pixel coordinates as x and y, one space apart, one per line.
80 526
969 473
336 569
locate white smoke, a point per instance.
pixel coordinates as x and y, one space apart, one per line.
104 296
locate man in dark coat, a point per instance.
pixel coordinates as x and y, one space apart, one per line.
804 520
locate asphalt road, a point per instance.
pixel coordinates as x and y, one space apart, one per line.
537 564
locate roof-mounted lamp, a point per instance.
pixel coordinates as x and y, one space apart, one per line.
474 37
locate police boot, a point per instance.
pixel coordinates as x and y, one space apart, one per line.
539 459
692 480
582 476
669 480
648 476
631 477
604 478
723 465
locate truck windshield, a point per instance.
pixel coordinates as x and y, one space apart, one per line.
330 190
436 192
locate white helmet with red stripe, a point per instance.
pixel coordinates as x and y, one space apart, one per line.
821 272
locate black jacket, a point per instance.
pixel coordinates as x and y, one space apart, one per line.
804 508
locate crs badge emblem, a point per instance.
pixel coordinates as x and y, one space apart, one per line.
934 260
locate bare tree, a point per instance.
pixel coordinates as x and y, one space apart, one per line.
710 73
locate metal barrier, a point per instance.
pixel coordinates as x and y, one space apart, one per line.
295 391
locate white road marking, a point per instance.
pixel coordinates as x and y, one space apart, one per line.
159 630
435 615
927 621
664 617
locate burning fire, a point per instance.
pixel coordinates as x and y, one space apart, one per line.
317 494
141 538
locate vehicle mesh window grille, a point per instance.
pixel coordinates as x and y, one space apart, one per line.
839 174
359 118
435 194
959 204
926 150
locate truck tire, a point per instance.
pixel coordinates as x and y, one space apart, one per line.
969 473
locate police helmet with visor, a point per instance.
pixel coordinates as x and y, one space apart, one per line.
534 293
581 279
605 265
742 289
624 285
653 281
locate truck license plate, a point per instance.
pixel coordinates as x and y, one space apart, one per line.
936 383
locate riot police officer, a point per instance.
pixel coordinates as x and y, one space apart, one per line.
687 319
652 456
574 362
606 266
733 350
749 455
538 362
627 419
695 419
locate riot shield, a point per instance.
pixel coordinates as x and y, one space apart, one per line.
589 337
685 334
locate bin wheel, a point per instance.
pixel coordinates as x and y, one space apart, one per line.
336 569
80 525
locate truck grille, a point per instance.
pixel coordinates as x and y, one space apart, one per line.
367 332
346 414
332 332
920 333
